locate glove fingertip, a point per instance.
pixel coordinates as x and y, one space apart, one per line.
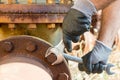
69 50
68 44
89 65
81 67
89 68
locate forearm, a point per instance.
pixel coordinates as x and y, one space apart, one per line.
110 24
101 4
90 7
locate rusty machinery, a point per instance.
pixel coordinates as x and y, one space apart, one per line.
25 48
33 15
29 49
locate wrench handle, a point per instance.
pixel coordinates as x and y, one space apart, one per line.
81 66
60 46
73 58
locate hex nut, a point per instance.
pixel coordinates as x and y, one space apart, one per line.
8 46
51 58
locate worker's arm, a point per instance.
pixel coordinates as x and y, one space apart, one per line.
101 4
78 21
109 28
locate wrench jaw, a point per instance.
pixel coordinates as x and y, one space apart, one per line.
107 69
57 53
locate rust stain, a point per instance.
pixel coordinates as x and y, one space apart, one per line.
20 44
22 13
31 18
34 8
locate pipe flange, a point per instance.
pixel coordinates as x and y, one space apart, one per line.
35 49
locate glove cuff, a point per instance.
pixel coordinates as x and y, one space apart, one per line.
100 52
85 6
107 49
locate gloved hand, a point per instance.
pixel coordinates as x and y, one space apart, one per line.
96 68
95 59
77 21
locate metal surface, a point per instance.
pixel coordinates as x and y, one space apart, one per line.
22 68
31 18
34 8
58 50
33 49
33 13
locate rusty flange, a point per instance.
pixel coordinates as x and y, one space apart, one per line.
33 48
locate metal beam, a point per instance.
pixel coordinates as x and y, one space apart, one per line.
31 18
21 13
34 8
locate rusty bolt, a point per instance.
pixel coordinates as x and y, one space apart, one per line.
63 76
8 46
51 58
31 46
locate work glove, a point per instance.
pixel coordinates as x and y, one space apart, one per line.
77 21
94 60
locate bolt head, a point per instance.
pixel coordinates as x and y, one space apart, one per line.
31 46
8 46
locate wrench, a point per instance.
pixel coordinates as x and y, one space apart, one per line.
58 50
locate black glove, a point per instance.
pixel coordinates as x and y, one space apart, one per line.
75 23
95 59
88 67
